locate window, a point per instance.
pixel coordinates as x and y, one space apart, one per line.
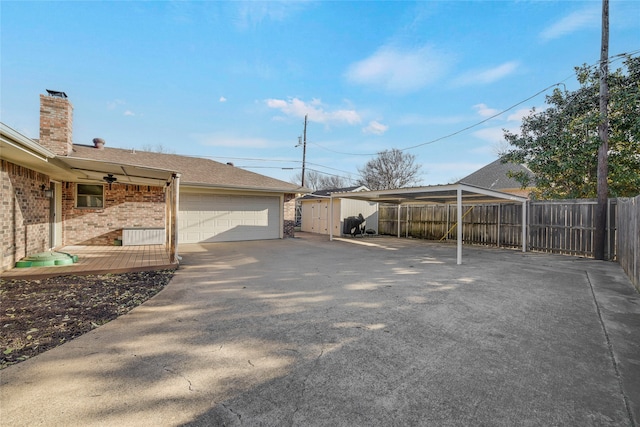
90 196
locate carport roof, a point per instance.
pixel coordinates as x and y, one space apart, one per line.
441 194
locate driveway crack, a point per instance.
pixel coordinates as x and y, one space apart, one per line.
612 355
230 409
304 385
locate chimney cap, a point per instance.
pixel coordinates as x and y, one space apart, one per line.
57 93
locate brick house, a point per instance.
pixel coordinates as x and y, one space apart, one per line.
55 193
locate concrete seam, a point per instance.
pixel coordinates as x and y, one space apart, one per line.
611 353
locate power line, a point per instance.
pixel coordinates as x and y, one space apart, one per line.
561 83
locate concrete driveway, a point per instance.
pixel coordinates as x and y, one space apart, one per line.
364 332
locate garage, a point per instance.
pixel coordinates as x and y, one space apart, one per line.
206 217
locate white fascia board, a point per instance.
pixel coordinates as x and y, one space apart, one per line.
21 142
246 188
492 193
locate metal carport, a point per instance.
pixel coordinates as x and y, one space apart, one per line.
440 194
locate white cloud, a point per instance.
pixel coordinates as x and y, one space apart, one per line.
492 134
424 120
223 99
400 70
226 140
485 111
315 110
129 113
253 13
518 115
487 76
586 18
375 128
112 105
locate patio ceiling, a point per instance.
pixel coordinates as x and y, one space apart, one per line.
458 194
95 170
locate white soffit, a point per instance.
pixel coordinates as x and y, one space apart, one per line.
95 170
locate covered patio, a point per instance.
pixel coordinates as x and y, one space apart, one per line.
100 260
457 194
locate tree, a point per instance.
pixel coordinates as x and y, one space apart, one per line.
315 180
390 169
158 148
560 144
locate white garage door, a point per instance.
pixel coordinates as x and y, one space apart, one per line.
220 218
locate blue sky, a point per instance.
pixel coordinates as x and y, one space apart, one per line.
232 81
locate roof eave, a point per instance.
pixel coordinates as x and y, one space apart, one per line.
245 187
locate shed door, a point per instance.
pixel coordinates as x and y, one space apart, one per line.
222 218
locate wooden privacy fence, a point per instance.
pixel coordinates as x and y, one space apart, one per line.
564 226
628 243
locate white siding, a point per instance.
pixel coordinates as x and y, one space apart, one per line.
369 211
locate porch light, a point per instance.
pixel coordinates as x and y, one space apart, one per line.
48 192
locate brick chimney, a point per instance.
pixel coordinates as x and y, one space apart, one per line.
56 123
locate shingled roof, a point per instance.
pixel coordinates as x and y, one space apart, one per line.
195 171
494 176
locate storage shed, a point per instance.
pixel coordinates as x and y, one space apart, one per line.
315 211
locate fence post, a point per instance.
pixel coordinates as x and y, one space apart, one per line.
524 226
498 225
459 203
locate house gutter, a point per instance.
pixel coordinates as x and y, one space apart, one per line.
10 136
244 187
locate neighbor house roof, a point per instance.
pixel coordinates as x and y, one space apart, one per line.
194 171
494 176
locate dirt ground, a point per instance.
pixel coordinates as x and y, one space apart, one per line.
38 315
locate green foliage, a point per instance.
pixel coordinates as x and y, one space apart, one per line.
560 144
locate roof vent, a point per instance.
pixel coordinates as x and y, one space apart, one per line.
56 93
98 143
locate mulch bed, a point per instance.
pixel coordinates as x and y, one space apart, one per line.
38 315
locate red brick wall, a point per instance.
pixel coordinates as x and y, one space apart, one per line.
289 215
24 213
125 206
56 124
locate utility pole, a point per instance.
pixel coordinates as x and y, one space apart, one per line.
304 148
599 236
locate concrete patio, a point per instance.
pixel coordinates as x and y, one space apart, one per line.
355 332
100 260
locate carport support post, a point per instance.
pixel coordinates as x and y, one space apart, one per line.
459 203
399 209
331 218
